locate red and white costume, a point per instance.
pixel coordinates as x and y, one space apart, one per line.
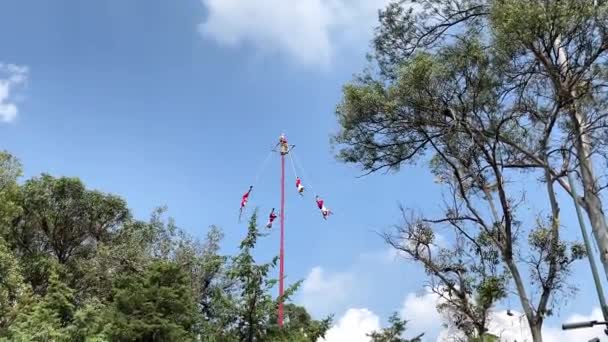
299 186
271 218
245 198
324 211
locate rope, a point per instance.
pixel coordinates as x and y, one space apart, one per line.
257 177
261 168
308 180
293 166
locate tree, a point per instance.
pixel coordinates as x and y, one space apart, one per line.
394 332
244 308
254 305
13 288
549 60
156 305
10 171
59 219
467 277
45 319
130 249
298 326
62 218
56 317
480 86
75 266
90 322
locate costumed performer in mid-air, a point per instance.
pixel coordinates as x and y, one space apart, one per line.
271 219
326 212
299 186
244 200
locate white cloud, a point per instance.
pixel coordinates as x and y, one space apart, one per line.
353 327
322 291
11 76
423 317
509 328
516 328
310 31
357 323
556 334
421 313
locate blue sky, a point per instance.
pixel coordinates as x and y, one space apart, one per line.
177 103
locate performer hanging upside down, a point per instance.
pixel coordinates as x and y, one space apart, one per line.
244 200
271 218
324 211
299 186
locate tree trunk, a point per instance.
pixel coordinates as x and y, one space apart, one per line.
592 203
535 329
533 323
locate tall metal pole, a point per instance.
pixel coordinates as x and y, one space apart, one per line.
590 256
282 250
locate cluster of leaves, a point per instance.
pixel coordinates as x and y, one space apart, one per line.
76 266
394 332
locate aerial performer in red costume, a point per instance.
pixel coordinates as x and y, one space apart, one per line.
324 211
244 200
299 186
271 218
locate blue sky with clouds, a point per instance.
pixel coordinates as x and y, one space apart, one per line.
177 103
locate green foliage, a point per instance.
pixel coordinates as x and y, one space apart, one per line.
10 170
12 285
90 322
61 217
155 305
299 326
490 290
522 21
394 332
47 318
254 306
485 338
248 311
75 266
